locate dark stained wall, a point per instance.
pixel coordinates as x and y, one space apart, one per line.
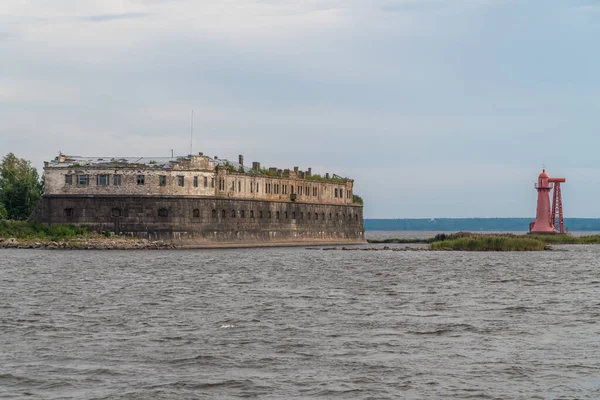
193 220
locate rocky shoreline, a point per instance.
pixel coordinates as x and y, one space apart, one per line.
386 248
132 243
86 244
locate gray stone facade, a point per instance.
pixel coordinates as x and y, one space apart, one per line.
199 200
205 221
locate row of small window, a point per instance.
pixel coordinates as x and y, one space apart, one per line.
104 180
163 212
84 180
277 188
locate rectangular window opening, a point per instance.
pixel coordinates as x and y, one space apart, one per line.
83 180
101 180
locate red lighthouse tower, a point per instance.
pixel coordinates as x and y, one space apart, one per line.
548 220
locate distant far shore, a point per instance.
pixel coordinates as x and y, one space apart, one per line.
472 224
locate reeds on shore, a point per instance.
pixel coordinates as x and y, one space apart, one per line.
36 231
505 241
490 243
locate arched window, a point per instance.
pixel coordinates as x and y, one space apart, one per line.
323 216
337 216
356 217
116 212
260 214
301 215
308 215
286 215
214 213
277 214
316 215
329 215
232 213
251 213
268 214
196 213
294 215
163 212
68 212
242 214
223 214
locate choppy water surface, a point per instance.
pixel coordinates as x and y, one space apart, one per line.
299 323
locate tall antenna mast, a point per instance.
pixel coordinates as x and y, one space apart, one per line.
191 132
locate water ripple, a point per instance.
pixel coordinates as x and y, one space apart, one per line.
299 323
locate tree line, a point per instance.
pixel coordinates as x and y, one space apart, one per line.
20 188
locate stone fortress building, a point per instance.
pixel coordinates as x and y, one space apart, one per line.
201 201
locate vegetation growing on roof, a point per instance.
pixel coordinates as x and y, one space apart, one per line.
356 199
317 177
227 165
266 171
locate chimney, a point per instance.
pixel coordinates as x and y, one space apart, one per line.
241 159
200 153
309 172
296 169
279 172
327 175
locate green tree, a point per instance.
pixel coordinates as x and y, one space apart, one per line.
2 211
20 187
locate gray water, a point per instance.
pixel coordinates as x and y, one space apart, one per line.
299 323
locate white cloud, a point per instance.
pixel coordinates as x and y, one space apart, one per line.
412 103
37 92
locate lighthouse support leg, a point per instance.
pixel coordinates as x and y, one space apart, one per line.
557 211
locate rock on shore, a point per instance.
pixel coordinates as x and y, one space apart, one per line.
113 243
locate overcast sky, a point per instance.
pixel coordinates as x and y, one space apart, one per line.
437 108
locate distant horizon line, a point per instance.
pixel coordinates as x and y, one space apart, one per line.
446 218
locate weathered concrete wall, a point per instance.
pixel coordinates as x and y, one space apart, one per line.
235 185
55 182
162 179
193 220
260 187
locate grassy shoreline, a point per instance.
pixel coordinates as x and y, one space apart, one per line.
26 232
467 241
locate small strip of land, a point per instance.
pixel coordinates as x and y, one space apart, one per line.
33 235
467 241
22 234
